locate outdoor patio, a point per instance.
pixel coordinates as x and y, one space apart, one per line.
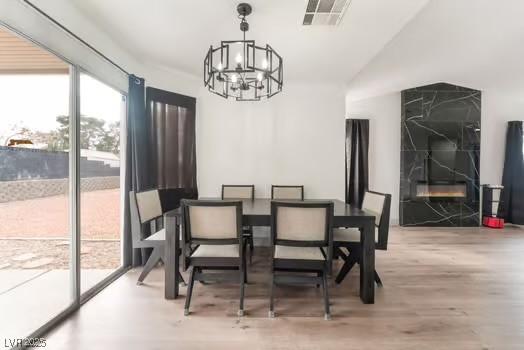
35 255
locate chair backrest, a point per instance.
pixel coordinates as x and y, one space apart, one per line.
211 222
144 207
149 205
379 204
287 192
302 224
238 191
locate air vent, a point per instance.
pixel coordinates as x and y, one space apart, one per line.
325 12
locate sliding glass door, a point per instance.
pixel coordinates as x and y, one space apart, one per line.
60 198
101 110
35 234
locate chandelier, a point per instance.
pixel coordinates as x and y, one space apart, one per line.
242 70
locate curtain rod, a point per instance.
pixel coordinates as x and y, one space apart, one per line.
64 28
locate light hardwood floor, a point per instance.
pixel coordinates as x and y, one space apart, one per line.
444 288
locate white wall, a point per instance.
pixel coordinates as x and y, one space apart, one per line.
383 113
498 107
296 137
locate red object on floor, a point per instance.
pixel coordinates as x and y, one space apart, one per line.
493 222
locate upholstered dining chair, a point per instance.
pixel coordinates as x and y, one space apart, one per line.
242 192
301 244
145 209
214 229
287 192
349 238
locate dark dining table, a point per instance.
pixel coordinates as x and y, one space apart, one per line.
257 212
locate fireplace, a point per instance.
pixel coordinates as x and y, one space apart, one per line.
440 154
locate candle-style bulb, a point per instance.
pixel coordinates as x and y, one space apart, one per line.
265 64
220 67
260 76
234 78
238 58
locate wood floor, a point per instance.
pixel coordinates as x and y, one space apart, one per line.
443 289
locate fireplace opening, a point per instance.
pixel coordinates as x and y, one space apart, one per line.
456 190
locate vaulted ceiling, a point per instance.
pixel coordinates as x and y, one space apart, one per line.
175 34
473 43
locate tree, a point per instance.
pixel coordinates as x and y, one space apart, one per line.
94 134
110 140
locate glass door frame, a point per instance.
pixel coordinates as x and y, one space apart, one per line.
88 294
78 298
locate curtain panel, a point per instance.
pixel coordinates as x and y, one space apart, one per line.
511 207
172 120
137 163
357 172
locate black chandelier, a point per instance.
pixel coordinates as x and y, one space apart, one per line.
242 70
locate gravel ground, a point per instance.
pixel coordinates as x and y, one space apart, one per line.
38 232
49 217
26 253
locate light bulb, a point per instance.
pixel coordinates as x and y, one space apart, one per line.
265 64
238 58
260 77
234 78
220 67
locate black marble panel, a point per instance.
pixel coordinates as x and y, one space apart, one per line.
440 213
471 135
440 145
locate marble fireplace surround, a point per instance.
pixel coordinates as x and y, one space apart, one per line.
440 155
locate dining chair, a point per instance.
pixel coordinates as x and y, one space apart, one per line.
214 229
145 210
282 192
301 244
379 204
242 192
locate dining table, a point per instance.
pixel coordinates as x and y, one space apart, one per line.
257 212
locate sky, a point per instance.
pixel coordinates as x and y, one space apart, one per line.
34 101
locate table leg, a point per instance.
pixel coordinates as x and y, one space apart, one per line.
367 265
171 256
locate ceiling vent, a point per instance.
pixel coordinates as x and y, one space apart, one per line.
325 12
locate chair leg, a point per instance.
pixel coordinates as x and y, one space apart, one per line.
272 295
242 274
245 275
341 254
377 279
348 265
327 313
319 274
189 290
251 248
154 258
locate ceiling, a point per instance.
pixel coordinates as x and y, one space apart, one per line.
175 34
472 43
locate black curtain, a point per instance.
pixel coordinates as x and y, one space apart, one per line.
512 198
357 172
171 119
138 163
